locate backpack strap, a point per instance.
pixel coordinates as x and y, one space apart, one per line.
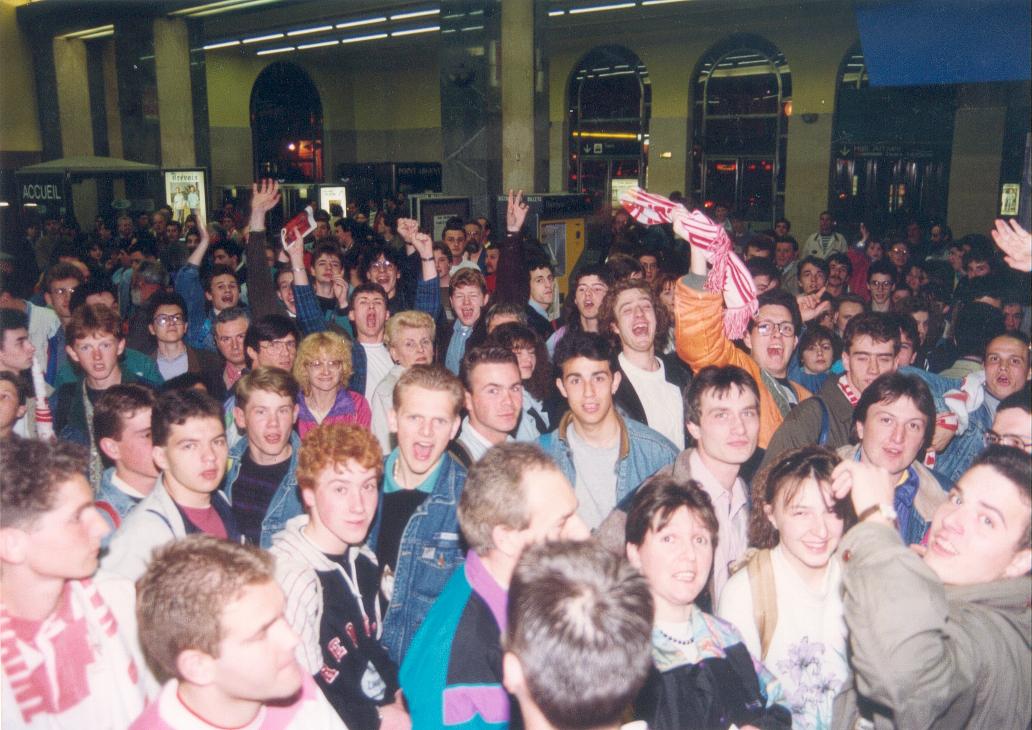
764 597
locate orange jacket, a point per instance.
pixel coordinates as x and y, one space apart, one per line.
700 341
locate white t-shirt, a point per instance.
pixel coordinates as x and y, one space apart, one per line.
595 483
378 364
808 650
664 407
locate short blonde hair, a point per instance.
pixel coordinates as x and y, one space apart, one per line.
336 443
431 377
269 379
409 319
330 344
181 597
494 493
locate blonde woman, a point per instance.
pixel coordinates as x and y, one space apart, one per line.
323 368
409 337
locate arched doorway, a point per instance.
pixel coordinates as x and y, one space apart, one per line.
742 97
890 149
286 125
608 103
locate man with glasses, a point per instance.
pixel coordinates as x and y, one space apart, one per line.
166 317
59 283
772 338
1012 425
1006 371
871 344
881 279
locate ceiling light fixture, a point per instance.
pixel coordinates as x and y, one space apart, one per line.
361 38
308 31
270 51
363 21
414 31
223 44
260 38
320 44
599 8
416 14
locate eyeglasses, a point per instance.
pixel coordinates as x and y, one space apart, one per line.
785 329
320 364
382 265
164 320
63 291
278 346
1007 439
880 284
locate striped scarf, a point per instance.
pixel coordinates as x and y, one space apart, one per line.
727 273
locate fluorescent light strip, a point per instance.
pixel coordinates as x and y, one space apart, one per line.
98 34
600 8
414 31
415 14
361 38
321 44
260 38
307 31
206 6
472 27
270 51
646 3
223 44
97 31
364 21
553 13
231 8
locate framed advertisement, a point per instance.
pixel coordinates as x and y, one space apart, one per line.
186 191
333 195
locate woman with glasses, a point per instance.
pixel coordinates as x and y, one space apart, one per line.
784 596
322 369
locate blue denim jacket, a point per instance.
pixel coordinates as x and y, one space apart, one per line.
429 552
963 449
118 500
286 502
643 452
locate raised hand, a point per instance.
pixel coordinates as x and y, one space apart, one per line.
516 212
867 485
1016 244
407 229
265 196
340 290
423 244
810 305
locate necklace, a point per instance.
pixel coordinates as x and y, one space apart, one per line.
683 642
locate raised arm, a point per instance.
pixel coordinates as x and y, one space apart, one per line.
1016 244
512 285
261 288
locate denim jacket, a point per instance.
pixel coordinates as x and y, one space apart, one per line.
114 497
429 552
286 502
643 452
963 449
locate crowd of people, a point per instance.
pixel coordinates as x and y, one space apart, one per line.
366 479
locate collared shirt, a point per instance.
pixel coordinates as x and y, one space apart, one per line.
173 367
457 346
732 509
543 311
474 442
122 485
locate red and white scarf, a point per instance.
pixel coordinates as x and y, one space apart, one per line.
84 630
727 273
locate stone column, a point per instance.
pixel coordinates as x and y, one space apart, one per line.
73 104
175 99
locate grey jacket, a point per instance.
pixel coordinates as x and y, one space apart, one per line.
927 655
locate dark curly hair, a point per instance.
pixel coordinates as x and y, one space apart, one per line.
607 313
513 336
33 470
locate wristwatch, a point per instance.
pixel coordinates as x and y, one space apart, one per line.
885 509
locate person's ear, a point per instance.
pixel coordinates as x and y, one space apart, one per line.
207 295
297 410
512 675
768 512
1020 565
693 430
160 457
467 398
150 328
110 447
507 541
308 498
392 420
616 382
196 667
633 556
252 355
72 354
22 410
121 347
14 545
747 339
239 419
561 387
859 425
455 426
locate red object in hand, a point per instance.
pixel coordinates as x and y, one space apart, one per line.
298 227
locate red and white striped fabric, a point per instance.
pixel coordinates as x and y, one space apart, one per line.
727 273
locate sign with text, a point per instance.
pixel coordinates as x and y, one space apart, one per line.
186 191
47 193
